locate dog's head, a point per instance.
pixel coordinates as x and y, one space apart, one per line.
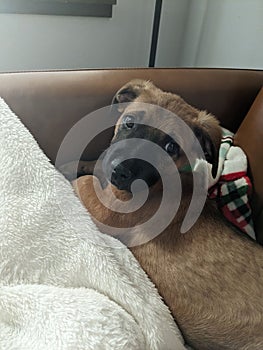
134 123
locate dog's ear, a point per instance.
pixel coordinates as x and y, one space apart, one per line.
130 91
209 135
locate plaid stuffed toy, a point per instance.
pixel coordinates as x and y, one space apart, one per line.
232 187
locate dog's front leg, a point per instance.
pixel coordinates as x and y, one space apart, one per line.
84 188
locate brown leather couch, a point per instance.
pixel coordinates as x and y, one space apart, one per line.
50 103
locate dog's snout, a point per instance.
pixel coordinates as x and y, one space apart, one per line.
122 172
114 163
121 175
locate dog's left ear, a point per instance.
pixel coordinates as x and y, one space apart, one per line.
209 134
130 91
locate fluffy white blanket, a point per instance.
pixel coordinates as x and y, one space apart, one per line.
63 284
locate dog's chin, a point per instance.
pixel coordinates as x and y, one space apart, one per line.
121 187
128 186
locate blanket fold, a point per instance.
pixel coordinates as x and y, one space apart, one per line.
63 284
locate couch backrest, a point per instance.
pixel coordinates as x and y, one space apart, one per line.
50 103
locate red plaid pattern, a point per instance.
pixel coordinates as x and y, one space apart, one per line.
233 187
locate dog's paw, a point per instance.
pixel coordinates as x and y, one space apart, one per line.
75 169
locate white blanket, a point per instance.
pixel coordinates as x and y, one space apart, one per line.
63 284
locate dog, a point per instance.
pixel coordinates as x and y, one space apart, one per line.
211 277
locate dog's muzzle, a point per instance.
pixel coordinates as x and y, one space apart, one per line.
123 173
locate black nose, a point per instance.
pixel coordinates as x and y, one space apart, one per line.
121 176
122 172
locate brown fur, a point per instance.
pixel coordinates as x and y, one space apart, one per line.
211 277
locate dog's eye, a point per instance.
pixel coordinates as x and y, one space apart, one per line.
128 121
171 148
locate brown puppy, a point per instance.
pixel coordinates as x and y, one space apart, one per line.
211 277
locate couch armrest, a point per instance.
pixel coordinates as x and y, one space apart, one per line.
250 138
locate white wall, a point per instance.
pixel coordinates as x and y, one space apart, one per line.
203 33
173 22
43 42
224 33
192 34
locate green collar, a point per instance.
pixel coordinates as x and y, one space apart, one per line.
185 168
